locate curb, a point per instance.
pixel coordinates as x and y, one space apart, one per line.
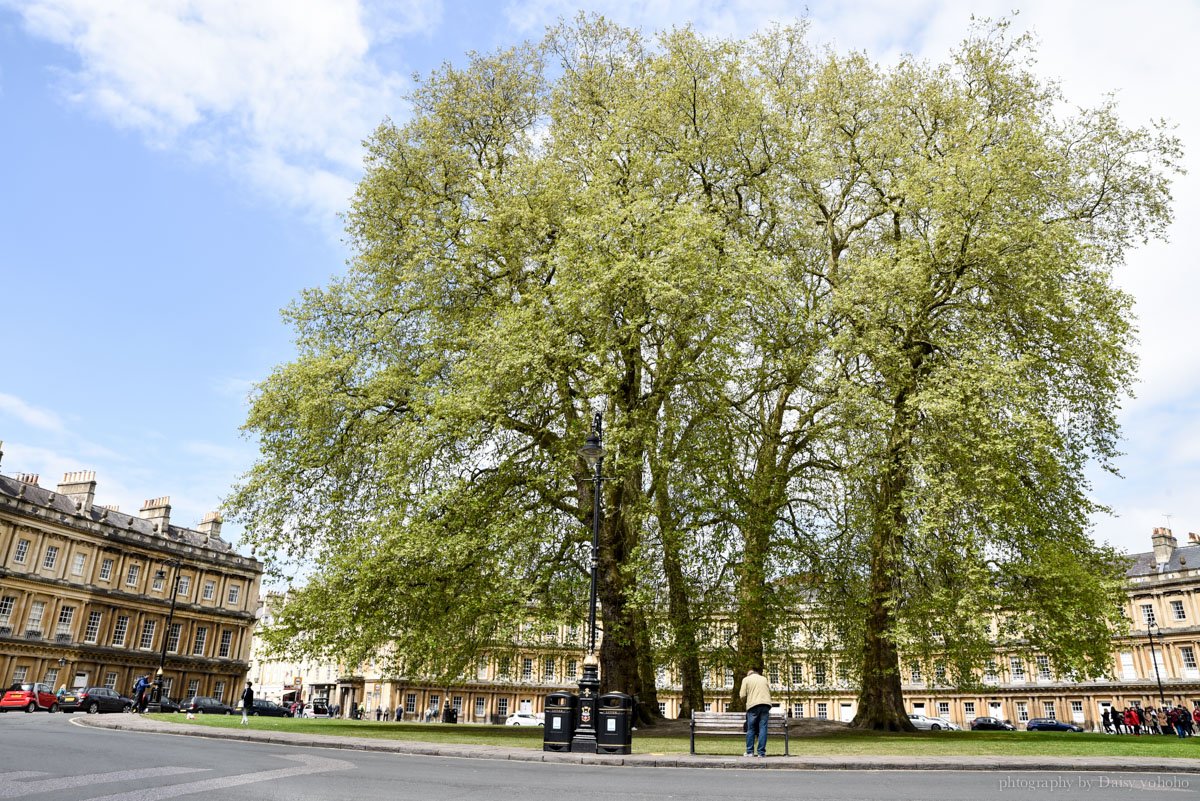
877 763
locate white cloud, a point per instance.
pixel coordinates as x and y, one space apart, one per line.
280 91
30 415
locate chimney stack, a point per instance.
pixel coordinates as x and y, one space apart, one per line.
1193 538
80 487
1 450
1164 545
158 512
210 526
28 478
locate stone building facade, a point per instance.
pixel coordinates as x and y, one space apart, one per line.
1163 590
85 593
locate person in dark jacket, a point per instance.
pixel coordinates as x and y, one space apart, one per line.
247 702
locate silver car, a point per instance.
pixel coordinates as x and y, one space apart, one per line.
932 724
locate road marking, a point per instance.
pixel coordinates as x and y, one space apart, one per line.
22 774
310 764
9 790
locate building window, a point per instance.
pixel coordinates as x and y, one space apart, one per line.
92 633
219 691
65 617
939 673
106 569
944 709
158 583
480 707
707 706
1077 710
110 681
819 673
548 668
193 687
1043 668
822 710
797 710
173 637
773 674
456 703
572 634
118 637
167 684
990 673
78 565
6 608
728 677
1148 615
36 612
210 589
1127 669
235 592
22 552
20 674
226 641
915 669
502 707
1022 711
131 578
1187 656
410 703
148 634
1048 708
662 708
797 673
1177 611
1156 660
572 668
51 677
1017 667
526 669
201 637
968 709
51 557
185 585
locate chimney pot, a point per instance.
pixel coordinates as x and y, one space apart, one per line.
80 487
1164 543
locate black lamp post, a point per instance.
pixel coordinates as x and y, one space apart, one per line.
584 738
1150 626
155 704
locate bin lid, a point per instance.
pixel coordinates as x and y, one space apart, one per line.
561 698
616 700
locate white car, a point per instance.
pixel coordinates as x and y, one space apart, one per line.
932 724
317 710
525 719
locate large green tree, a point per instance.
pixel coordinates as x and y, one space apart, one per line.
852 331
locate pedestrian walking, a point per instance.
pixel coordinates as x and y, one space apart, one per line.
139 693
247 702
1106 720
756 692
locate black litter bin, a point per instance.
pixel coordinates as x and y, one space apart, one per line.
614 726
559 721
453 715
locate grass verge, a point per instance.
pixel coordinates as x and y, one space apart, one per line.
837 743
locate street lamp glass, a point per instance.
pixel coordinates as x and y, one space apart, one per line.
592 451
160 574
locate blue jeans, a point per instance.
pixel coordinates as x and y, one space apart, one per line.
756 726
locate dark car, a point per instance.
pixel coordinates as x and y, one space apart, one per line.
93 700
991 724
203 705
269 709
1050 724
169 704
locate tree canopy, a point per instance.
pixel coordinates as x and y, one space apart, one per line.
852 329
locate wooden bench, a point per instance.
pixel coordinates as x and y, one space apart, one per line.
735 723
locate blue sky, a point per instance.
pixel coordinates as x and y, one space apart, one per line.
171 172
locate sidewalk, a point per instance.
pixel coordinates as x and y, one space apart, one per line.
1013 763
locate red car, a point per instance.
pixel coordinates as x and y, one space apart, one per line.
30 697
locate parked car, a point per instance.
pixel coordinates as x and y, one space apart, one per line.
93 700
30 697
525 719
991 724
1050 724
932 724
268 709
169 704
317 709
203 705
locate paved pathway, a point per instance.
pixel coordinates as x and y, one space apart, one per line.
1106 764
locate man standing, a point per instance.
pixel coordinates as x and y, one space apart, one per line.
247 702
139 693
757 694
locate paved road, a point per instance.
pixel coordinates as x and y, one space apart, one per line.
47 758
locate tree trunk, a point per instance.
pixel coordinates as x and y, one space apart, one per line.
683 628
880 701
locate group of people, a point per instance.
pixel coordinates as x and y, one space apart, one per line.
1138 720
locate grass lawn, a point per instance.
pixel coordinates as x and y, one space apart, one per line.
837 743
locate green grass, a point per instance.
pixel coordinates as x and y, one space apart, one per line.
838 743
